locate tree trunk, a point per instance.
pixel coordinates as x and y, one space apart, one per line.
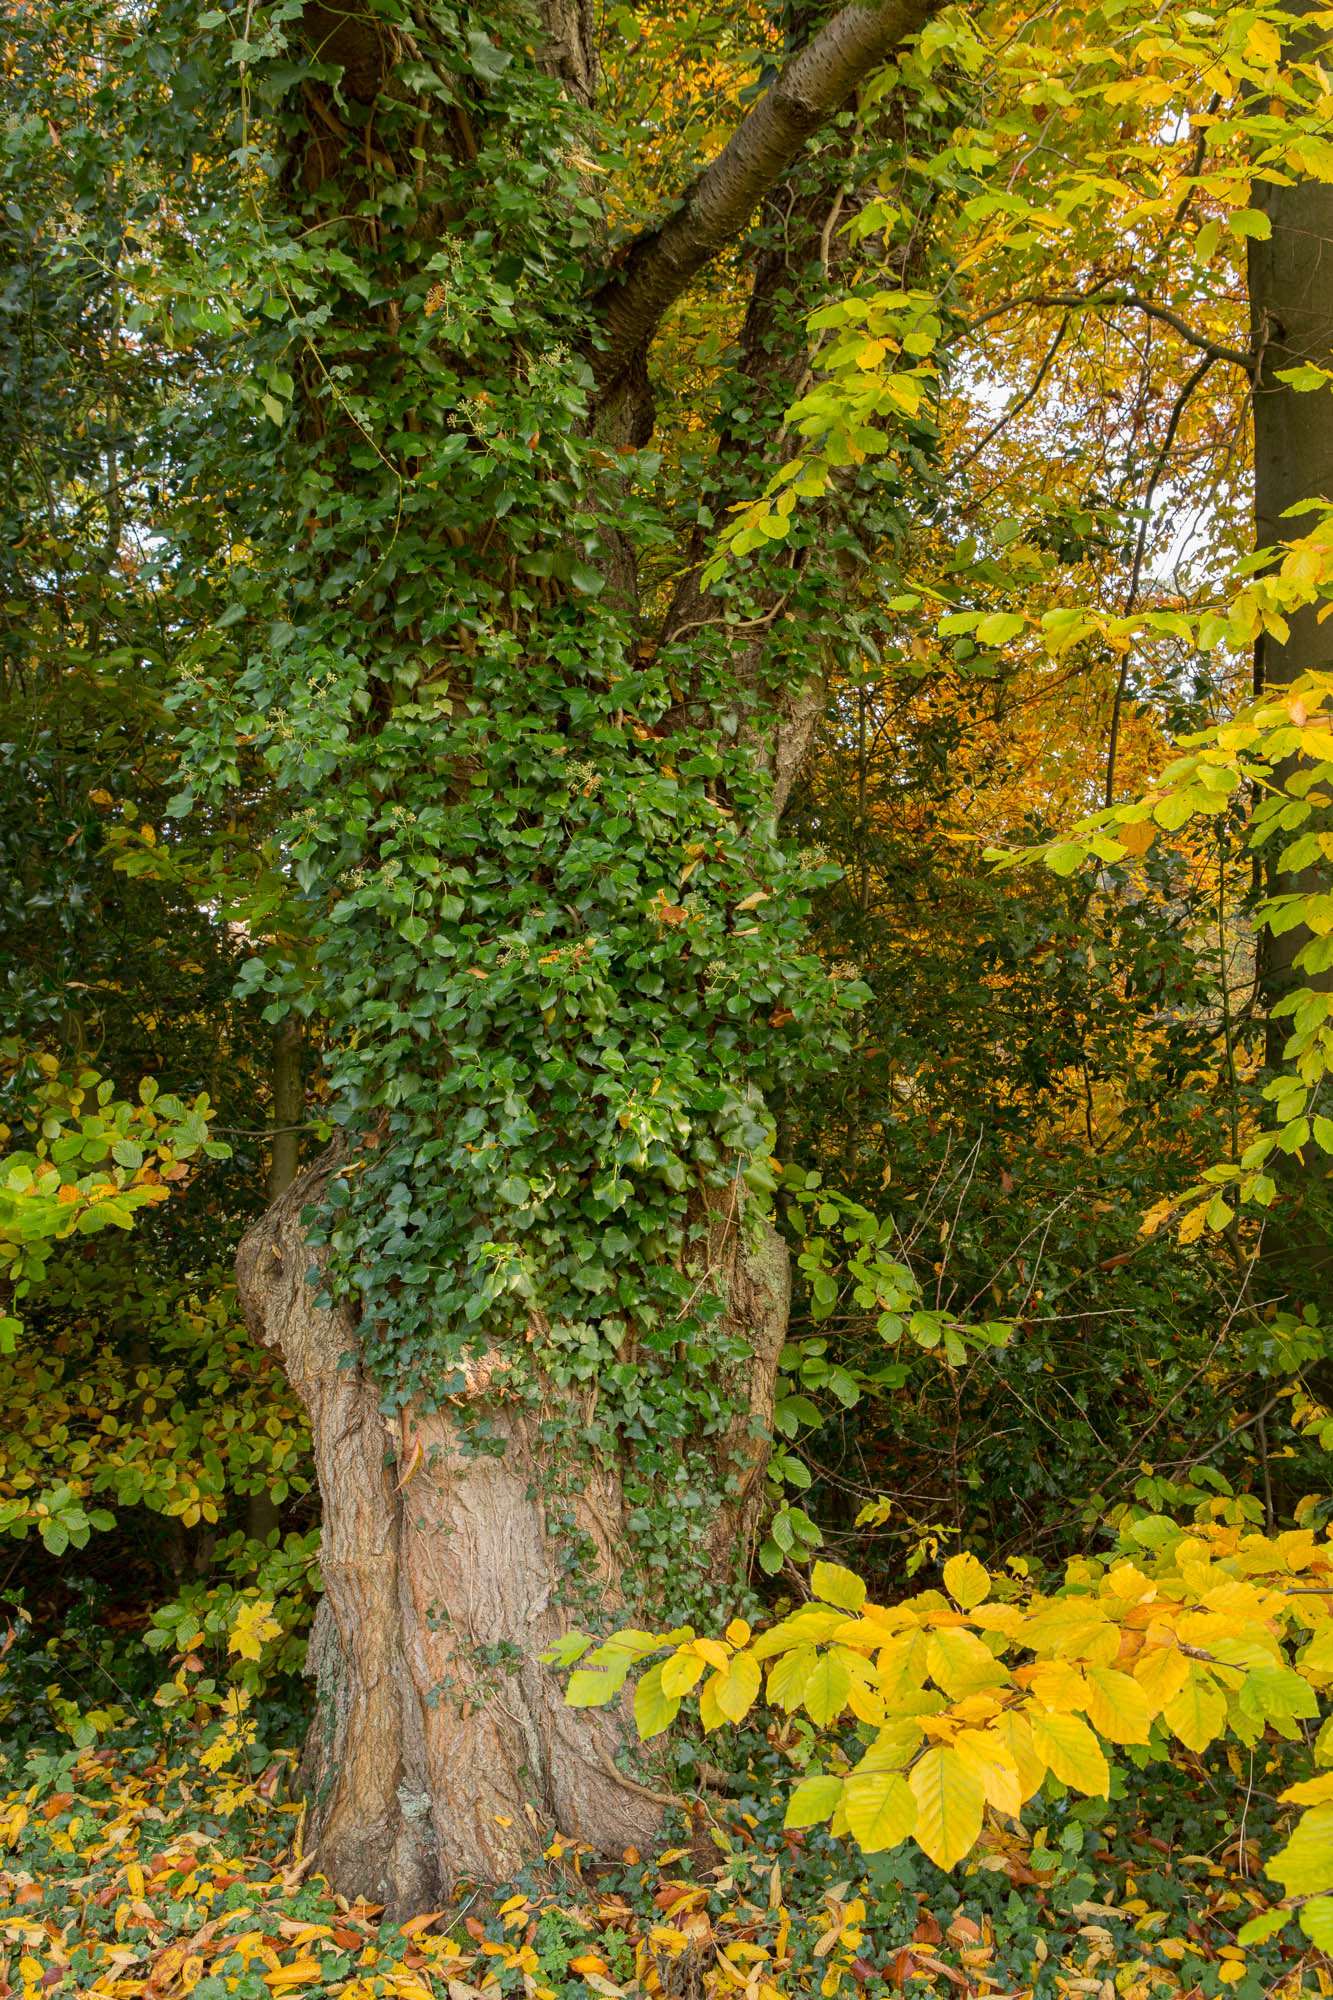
442 1747
288 1086
262 1514
464 1532
1291 310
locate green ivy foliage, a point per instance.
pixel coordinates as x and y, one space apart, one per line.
545 914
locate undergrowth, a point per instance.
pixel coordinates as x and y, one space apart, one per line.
133 1870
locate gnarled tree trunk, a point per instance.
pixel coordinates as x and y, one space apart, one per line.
442 1747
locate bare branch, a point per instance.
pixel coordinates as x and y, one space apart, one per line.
1100 297
813 86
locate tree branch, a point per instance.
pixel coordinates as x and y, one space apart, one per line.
1099 298
813 86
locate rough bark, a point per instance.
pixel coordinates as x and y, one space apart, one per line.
288 1105
442 1748
1291 306
262 1515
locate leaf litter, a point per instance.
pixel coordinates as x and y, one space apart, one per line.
127 1878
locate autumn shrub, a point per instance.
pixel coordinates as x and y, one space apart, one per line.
944 1715
130 1459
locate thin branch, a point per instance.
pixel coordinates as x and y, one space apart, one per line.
1178 409
1098 298
1188 1464
1033 390
811 89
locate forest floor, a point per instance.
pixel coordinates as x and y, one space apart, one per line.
126 1875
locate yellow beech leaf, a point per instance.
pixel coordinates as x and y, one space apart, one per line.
833 1584
1161 1671
788 1675
710 1713
1317 1922
680 1673
827 1689
738 1632
813 1801
1014 1733
866 1634
1006 1618
1263 43
1198 1714
1070 1750
950 1801
866 1703
1117 1706
1304 1866
654 1709
736 1687
1313 1792
1055 1684
960 1662
984 1754
880 1807
903 1664
966 1580
713 1651
811 1623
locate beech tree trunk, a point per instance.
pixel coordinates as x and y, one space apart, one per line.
1291 310
442 1747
